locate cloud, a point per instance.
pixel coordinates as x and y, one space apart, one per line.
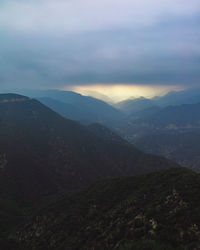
88 15
50 43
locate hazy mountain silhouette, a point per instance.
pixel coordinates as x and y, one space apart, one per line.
186 115
188 96
76 106
135 105
68 110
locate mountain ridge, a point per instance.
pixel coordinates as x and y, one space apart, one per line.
60 153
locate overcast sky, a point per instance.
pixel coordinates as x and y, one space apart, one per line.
56 43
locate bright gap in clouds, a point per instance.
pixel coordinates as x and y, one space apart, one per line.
119 92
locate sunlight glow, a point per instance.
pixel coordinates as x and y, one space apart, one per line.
119 92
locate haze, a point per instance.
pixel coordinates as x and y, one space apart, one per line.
119 92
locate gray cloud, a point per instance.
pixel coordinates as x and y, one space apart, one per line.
55 43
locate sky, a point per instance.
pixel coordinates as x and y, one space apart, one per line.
119 48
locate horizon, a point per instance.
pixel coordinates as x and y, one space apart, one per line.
129 92
117 93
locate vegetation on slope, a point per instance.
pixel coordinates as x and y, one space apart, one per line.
154 211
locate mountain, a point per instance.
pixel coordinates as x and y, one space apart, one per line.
143 113
68 110
41 152
155 211
170 119
131 106
76 106
173 98
129 120
186 115
188 96
183 148
173 132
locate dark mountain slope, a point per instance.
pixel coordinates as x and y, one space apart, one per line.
105 133
155 211
41 152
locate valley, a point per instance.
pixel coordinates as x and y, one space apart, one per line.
75 177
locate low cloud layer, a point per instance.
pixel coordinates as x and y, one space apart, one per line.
52 44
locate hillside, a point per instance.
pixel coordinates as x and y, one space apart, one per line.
172 132
41 152
105 133
155 211
183 148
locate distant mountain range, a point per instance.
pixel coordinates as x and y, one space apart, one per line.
172 117
88 110
139 121
77 107
132 106
173 132
189 96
